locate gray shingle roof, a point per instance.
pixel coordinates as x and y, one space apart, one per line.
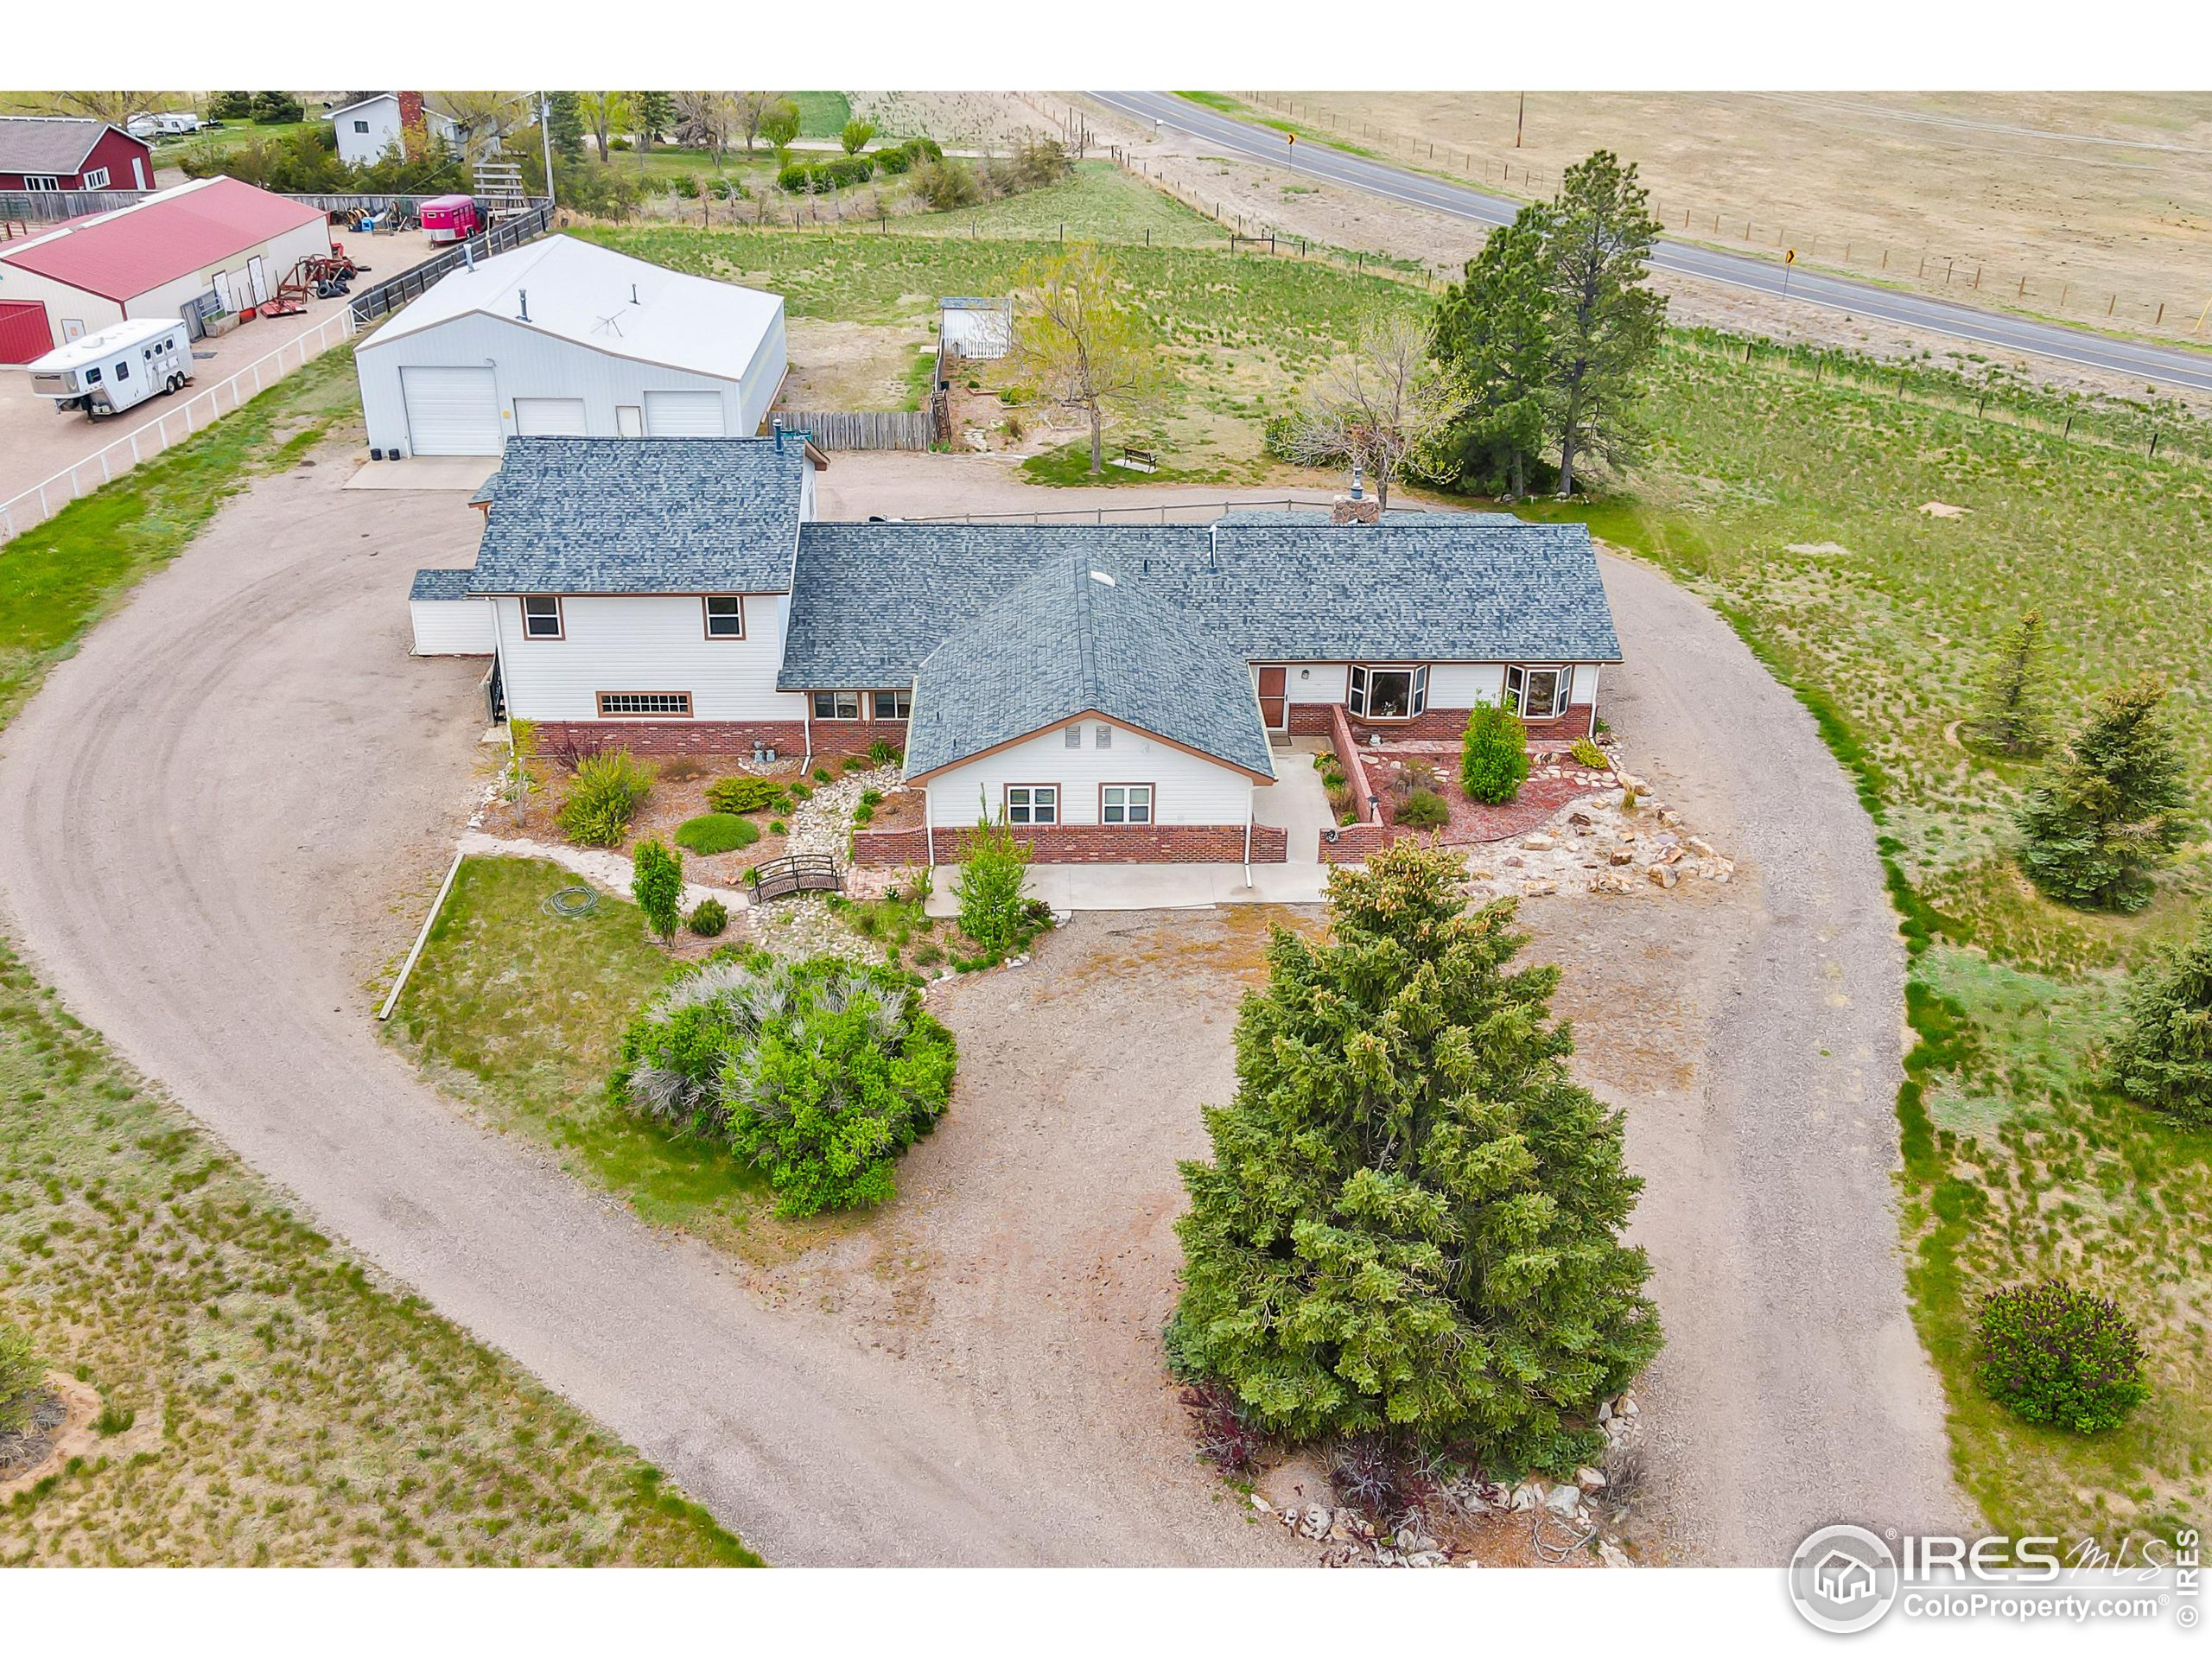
642 516
1071 641
47 143
872 600
439 584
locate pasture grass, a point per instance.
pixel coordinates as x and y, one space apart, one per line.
268 1400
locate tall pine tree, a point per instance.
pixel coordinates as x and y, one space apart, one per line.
1410 1223
2163 1055
2015 714
655 114
1606 323
1493 328
2107 811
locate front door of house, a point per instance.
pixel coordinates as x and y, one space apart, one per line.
1274 698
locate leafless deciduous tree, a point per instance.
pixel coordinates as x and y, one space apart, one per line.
705 121
1380 405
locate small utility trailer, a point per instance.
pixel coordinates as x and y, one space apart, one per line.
116 369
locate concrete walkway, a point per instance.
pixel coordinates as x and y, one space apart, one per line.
1296 803
609 871
1151 886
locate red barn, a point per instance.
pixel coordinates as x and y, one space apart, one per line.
67 152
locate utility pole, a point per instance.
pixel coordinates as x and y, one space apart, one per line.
1519 119
545 135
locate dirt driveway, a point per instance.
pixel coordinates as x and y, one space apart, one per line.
973 1377
36 442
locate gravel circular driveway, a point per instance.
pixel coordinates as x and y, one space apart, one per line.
225 813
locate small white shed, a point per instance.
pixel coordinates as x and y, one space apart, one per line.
562 338
973 328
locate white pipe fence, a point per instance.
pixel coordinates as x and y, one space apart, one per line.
42 500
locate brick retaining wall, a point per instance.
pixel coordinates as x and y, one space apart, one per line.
832 738
1436 725
1085 844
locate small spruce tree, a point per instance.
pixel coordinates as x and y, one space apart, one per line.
2163 1056
657 885
1494 755
2105 812
1410 1225
2015 714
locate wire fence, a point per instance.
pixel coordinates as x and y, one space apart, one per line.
388 296
42 500
2071 294
1157 513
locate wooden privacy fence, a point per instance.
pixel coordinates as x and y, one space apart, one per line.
860 430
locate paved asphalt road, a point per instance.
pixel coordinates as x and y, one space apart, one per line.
2166 366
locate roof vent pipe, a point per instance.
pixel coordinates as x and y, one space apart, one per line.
525 303
1213 547
634 299
778 427
468 255
1358 491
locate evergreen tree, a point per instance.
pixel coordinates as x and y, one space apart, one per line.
656 883
565 118
1493 754
230 106
655 114
1493 328
1606 323
2163 1059
1410 1223
2015 716
2108 810
276 109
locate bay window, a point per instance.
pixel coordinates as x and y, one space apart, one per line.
1380 693
1537 693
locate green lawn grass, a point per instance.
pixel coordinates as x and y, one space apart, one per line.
1099 203
822 115
271 1400
523 1011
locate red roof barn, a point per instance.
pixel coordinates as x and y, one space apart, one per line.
67 152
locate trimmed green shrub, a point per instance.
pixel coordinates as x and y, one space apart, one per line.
708 918
2053 1354
2163 1055
1494 755
1588 754
657 885
21 1376
1424 809
746 793
607 791
820 1072
1410 1222
716 832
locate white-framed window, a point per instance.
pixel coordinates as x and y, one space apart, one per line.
1101 737
1125 804
1536 693
894 705
1033 804
41 180
1388 693
541 617
725 616
95 179
617 705
361 126
836 705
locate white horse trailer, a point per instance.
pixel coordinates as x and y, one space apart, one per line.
116 369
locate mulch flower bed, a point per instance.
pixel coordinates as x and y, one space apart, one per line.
1554 781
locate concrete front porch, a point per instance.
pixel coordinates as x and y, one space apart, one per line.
1152 887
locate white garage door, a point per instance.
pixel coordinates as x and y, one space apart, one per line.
452 411
684 415
550 417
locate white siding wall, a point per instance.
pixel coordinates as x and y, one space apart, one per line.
382 115
1185 789
1314 682
278 255
1586 683
646 643
452 627
1462 685
528 364
61 300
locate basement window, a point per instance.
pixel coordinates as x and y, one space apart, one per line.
541 617
1537 693
1388 693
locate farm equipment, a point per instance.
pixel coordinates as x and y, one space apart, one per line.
321 276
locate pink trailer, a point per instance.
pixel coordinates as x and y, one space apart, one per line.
449 218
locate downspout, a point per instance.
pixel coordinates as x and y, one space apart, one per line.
1596 669
806 728
1248 835
929 829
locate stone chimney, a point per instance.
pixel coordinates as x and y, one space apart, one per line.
1357 508
414 128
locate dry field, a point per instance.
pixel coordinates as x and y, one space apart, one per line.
2084 196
